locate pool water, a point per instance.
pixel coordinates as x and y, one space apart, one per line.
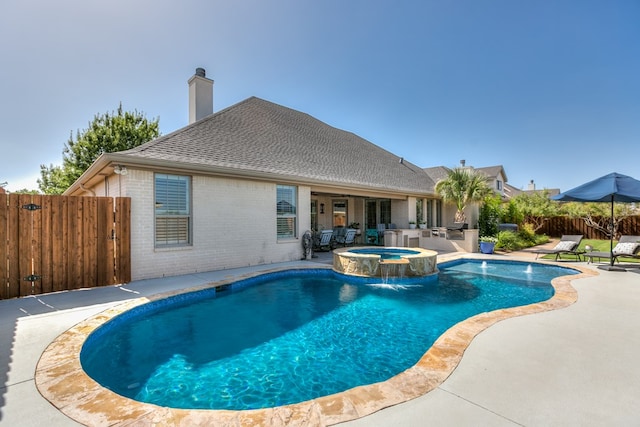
385 253
288 337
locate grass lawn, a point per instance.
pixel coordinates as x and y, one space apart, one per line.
597 245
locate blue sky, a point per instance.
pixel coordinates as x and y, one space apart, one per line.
548 89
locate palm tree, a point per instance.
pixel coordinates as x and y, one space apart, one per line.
463 186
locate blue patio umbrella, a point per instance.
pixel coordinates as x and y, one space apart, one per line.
613 187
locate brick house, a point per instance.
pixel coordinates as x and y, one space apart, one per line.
240 186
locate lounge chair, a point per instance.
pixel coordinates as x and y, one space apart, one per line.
348 238
568 244
323 241
627 247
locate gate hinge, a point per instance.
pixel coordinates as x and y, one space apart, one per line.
32 278
31 207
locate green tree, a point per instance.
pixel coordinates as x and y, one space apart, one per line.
598 215
461 187
536 207
26 191
511 214
107 133
490 213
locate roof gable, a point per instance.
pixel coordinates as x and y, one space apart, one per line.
493 171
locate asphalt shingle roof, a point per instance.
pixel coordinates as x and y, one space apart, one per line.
437 173
260 136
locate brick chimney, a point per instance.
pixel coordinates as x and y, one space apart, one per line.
200 96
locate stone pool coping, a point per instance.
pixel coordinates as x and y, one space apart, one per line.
60 378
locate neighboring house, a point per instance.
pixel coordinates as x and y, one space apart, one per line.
510 191
497 178
239 187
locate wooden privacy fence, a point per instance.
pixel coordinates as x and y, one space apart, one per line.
559 225
56 243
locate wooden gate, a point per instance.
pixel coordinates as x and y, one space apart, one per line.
56 243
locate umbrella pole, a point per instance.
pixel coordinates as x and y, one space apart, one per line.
612 228
611 267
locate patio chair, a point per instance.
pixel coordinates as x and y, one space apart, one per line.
627 247
348 238
371 236
323 241
568 244
339 234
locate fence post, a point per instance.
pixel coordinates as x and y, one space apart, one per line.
4 254
123 239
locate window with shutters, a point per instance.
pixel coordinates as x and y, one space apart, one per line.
173 210
286 212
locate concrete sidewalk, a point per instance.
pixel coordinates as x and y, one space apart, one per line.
575 366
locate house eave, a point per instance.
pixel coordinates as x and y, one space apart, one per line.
103 166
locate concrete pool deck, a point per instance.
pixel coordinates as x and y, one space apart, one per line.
573 366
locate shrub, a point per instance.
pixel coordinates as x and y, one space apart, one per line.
527 233
540 239
510 241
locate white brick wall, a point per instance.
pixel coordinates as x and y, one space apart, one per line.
234 225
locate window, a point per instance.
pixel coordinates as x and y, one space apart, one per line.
314 214
378 208
385 211
430 221
499 185
340 213
173 210
372 219
286 212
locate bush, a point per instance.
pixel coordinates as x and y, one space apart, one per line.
527 234
510 241
540 239
524 238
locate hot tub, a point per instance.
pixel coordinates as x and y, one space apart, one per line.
385 262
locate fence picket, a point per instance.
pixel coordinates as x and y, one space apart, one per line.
59 255
123 239
46 264
4 255
13 276
25 244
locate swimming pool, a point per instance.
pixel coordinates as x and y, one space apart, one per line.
232 350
